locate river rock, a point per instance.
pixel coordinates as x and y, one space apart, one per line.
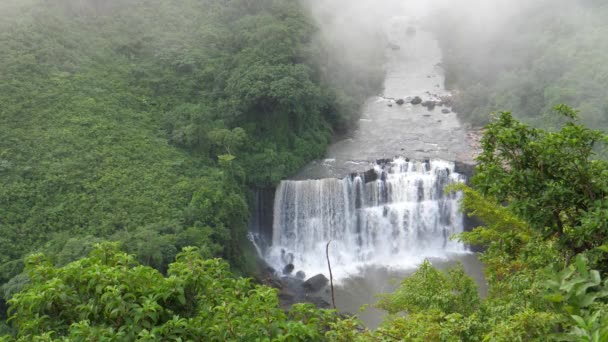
301 275
288 269
445 111
416 100
400 102
315 283
429 104
319 302
447 100
287 296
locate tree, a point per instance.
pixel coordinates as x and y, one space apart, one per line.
109 296
553 180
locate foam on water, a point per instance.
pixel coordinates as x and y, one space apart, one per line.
399 218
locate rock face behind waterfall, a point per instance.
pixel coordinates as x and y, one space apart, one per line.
396 217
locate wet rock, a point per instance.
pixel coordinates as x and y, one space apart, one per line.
319 302
370 176
446 111
287 296
315 283
288 269
466 169
447 100
390 104
416 100
301 275
430 105
400 102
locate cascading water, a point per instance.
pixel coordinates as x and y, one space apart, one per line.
396 216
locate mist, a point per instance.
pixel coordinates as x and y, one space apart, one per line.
520 56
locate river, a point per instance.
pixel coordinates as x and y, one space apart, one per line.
382 226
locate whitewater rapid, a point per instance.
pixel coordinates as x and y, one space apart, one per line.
398 218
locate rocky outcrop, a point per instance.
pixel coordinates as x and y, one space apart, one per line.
430 105
262 214
288 269
291 289
315 283
447 100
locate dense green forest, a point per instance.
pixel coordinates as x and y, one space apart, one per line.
146 122
545 257
132 132
520 56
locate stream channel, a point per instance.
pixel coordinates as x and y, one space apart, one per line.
378 194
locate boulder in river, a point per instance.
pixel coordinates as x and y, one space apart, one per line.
416 100
400 102
447 100
300 275
446 111
429 104
315 283
288 269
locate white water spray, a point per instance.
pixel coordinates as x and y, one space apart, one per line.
396 220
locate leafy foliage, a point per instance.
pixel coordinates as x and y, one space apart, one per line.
109 296
146 121
541 282
550 179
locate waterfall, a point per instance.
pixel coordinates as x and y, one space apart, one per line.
395 216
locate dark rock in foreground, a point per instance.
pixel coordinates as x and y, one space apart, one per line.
315 283
400 102
288 269
417 100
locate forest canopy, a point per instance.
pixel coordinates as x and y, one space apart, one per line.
526 57
133 130
147 122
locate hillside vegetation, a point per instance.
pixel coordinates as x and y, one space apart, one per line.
545 257
147 121
527 57
133 130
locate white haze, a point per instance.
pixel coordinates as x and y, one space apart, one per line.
351 27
